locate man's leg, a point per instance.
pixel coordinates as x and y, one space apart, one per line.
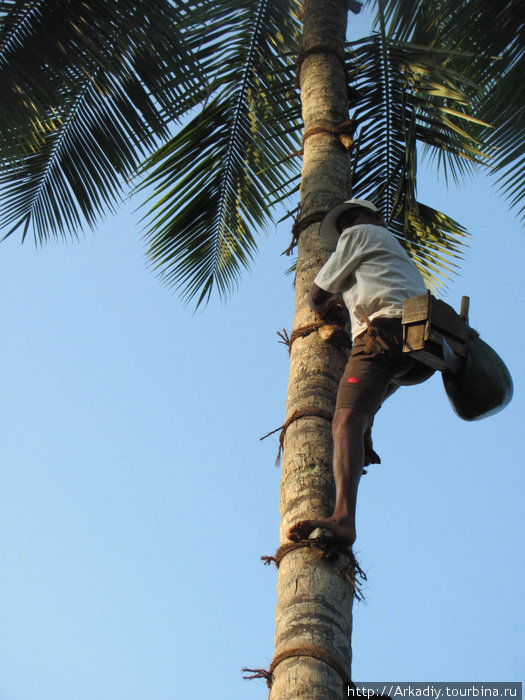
371 456
366 382
348 429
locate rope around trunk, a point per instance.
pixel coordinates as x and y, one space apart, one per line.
328 549
335 320
312 651
344 132
299 225
296 415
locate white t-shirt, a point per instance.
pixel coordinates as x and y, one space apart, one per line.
373 272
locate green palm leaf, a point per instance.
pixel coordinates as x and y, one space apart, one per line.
493 36
214 180
113 78
90 88
408 95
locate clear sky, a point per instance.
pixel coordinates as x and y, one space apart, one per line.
136 497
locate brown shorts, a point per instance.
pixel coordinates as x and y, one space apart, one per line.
377 366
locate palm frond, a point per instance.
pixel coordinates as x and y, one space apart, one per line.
409 95
492 35
88 90
214 181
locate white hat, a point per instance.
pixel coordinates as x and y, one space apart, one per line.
328 230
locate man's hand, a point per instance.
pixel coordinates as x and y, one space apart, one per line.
322 302
331 303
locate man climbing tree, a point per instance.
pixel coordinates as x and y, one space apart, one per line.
374 274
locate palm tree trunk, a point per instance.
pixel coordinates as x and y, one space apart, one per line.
314 608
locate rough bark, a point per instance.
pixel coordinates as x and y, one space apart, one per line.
314 608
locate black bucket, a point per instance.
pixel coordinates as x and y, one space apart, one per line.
482 386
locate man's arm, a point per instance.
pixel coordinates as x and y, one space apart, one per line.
321 302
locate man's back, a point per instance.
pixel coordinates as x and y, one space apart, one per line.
373 272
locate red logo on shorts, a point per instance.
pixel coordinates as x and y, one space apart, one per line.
353 380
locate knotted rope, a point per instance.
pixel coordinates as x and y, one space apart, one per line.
300 225
311 651
375 341
344 132
336 323
298 333
296 415
328 549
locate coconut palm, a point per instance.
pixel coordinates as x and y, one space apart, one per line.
208 108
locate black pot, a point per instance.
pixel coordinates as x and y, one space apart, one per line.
482 386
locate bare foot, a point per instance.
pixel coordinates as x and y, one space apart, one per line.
342 529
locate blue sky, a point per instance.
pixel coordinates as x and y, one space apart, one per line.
136 497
